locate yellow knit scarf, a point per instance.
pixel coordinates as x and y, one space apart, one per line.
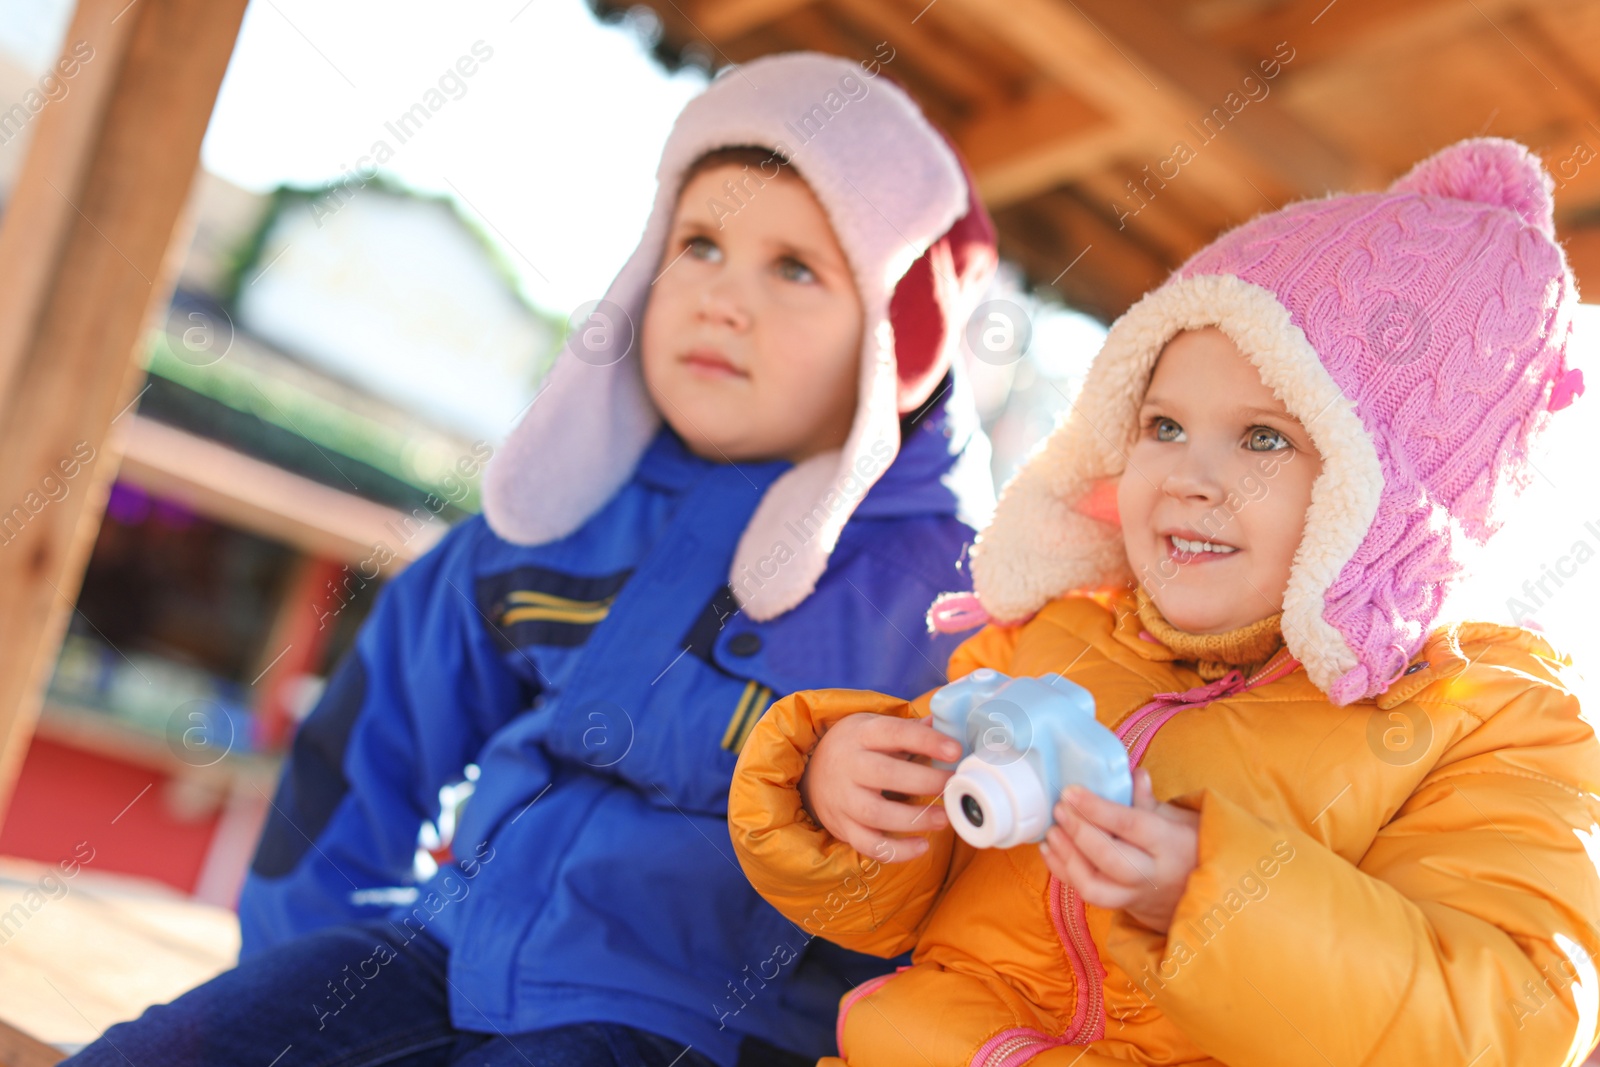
1214 655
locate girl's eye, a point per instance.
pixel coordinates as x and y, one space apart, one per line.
1167 430
1266 439
791 269
702 248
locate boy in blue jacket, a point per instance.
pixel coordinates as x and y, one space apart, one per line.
747 475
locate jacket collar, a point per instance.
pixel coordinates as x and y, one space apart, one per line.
942 467
668 464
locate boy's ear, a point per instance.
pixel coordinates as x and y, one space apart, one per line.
1100 503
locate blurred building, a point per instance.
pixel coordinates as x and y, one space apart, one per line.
331 375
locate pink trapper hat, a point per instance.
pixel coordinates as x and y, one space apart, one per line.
921 247
1420 336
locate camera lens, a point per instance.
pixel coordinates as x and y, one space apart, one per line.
972 809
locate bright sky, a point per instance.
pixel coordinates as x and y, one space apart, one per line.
553 142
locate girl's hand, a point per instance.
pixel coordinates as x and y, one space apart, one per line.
1134 858
858 760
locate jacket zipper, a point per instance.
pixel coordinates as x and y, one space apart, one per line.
1010 1048
1090 1011
1141 726
1067 910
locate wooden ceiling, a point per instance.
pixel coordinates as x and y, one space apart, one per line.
1072 112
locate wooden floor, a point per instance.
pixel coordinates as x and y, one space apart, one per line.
74 962
78 954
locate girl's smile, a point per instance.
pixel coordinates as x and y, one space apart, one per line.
1188 547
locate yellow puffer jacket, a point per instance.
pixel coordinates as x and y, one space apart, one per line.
1408 881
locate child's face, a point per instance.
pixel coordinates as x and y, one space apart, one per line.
752 334
1214 498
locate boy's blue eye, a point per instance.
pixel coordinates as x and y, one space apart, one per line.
1167 430
793 270
702 248
1266 439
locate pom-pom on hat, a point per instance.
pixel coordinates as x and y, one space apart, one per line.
921 248
1419 334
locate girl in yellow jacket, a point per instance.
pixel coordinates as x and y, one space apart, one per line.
1356 837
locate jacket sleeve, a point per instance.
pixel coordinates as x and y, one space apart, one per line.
817 881
1465 934
403 714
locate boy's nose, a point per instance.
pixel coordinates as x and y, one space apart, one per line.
721 303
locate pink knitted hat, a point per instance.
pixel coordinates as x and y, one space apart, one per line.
1420 336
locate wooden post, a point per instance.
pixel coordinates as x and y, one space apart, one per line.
312 599
89 248
17 1049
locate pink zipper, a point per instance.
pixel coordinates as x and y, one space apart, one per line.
865 989
1015 1046
1010 1048
1139 729
1072 930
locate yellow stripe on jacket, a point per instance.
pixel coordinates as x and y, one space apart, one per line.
753 702
533 605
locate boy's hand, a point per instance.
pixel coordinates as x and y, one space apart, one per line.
1134 858
861 757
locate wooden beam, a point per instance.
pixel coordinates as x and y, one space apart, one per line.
1132 62
39 218
920 44
1064 244
88 251
724 20
1049 138
243 491
1206 76
1174 221
1583 253
1332 33
1572 156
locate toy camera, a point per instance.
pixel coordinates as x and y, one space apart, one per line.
1023 740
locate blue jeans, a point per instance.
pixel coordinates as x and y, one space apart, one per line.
292 1006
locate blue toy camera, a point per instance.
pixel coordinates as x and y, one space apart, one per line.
1023 740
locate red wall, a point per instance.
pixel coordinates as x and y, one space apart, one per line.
66 796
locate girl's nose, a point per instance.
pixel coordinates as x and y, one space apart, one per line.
1194 479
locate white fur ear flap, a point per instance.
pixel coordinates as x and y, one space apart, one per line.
600 419
1041 544
781 554
786 545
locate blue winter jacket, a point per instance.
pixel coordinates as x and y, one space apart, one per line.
602 684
